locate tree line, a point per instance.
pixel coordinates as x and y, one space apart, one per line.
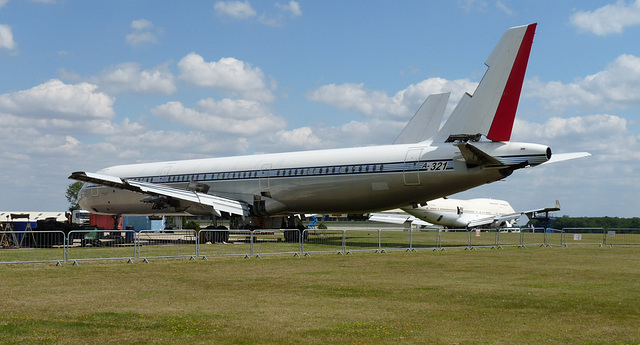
593 222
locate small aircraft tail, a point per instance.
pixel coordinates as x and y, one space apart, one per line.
492 109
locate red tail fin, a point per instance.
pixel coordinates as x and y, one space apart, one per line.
505 114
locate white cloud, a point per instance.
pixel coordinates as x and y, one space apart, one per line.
469 5
615 87
141 24
606 136
279 18
6 37
127 77
228 74
243 10
149 146
3 2
501 6
235 9
292 7
57 100
354 97
138 38
299 139
143 32
242 117
611 18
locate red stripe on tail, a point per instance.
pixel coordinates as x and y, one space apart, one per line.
506 113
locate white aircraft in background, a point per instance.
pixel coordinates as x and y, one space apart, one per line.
460 214
471 149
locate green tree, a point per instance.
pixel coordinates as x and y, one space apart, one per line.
72 195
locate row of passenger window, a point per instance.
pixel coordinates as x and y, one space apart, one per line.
350 169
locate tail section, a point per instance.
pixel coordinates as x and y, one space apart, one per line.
492 109
426 122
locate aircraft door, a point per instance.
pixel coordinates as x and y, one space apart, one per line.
412 167
164 173
264 178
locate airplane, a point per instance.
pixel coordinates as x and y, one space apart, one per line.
471 149
460 214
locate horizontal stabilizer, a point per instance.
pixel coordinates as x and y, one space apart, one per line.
559 157
474 156
426 122
219 204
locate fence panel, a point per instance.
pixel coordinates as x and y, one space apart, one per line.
323 241
222 242
452 238
424 238
620 236
483 238
178 243
362 239
32 246
533 236
553 237
593 236
510 237
277 241
85 245
395 238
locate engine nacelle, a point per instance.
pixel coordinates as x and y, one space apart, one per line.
515 154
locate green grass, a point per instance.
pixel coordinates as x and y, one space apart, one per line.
574 295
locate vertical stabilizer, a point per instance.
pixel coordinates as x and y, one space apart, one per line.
492 109
426 122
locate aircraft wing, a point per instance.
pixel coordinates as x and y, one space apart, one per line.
217 203
396 218
495 221
542 210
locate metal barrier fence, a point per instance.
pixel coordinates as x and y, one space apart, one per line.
621 236
77 246
32 246
591 236
85 245
174 244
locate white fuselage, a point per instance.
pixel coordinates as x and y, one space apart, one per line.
456 213
354 180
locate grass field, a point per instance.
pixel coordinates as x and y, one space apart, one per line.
575 295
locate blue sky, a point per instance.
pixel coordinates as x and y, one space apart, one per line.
89 84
